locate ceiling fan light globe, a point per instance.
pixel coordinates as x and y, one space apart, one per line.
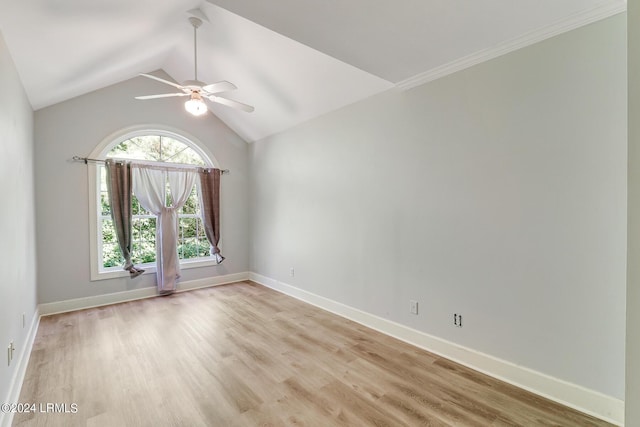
197 107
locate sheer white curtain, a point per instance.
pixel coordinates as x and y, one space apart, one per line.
149 186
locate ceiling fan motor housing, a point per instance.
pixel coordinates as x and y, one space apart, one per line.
196 22
197 89
193 84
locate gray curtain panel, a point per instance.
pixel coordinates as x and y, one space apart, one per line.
210 208
119 190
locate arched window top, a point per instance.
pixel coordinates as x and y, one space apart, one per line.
146 144
150 145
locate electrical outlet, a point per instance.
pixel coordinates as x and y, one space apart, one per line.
457 320
292 272
413 307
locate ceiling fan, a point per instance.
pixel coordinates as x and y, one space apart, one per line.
197 90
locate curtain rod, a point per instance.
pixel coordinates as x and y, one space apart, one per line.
87 160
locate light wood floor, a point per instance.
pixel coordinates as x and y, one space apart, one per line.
244 355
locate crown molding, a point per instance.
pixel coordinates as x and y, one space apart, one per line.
602 11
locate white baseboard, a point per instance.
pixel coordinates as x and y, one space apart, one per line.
588 401
135 294
88 302
585 400
21 369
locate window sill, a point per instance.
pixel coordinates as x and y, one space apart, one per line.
149 269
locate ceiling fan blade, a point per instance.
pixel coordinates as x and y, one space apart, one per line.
163 81
231 103
162 95
222 86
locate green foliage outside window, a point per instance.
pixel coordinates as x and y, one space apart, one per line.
192 241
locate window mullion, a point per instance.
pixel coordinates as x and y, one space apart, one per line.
139 146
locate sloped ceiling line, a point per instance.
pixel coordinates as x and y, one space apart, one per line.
578 20
294 60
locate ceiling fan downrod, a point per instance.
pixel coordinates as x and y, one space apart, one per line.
197 90
196 22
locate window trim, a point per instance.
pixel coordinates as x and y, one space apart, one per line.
100 152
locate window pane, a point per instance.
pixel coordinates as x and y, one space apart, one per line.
192 242
108 232
191 205
148 229
111 256
141 210
144 252
149 145
135 205
201 232
187 227
188 248
103 178
144 228
141 148
156 148
204 247
148 253
104 204
136 229
185 155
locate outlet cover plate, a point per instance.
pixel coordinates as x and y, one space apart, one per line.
413 307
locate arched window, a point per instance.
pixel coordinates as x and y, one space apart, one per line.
153 147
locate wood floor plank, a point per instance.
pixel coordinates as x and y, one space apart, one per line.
245 355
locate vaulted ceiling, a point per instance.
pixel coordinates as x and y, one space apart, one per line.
292 59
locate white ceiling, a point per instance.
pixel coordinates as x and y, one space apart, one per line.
292 59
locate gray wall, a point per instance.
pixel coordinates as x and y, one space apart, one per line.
17 217
498 192
76 127
632 416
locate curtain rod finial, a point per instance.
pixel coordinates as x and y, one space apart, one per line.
78 159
